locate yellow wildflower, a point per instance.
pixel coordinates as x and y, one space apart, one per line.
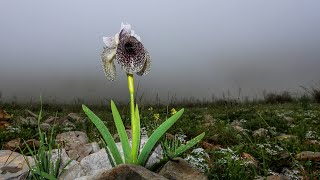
173 111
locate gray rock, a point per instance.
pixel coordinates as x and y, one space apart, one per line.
51 120
95 161
72 172
178 168
30 113
64 122
238 128
29 121
64 159
45 127
155 156
261 132
98 160
95 147
70 140
284 137
236 123
290 120
124 172
74 117
82 151
13 144
309 155
13 165
274 177
68 126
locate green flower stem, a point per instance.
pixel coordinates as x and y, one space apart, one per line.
135 122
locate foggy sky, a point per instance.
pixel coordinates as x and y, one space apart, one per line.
198 48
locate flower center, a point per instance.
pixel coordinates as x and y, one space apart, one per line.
129 47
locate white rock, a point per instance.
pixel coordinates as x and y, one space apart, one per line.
95 161
13 165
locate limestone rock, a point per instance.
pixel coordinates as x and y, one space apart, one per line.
29 121
72 172
309 155
45 127
125 171
30 113
4 116
274 177
285 137
249 159
74 117
70 140
31 143
64 122
51 120
238 128
64 159
13 144
95 161
312 142
13 165
289 120
210 147
80 152
156 154
261 132
180 169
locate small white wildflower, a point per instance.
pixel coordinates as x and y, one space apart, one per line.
181 137
279 148
12 129
243 121
197 159
270 172
260 146
311 135
291 174
271 151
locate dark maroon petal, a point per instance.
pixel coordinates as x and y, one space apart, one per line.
130 55
147 65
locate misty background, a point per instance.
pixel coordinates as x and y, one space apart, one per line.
198 48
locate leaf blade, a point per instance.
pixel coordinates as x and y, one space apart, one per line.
156 135
188 145
105 134
122 133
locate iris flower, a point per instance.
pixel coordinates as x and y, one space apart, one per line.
126 48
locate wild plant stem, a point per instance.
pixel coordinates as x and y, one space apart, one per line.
135 123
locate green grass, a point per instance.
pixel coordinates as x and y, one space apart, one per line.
273 154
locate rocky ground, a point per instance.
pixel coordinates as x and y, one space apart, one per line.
244 141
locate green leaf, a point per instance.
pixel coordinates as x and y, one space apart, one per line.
136 135
45 175
122 133
188 145
105 134
156 135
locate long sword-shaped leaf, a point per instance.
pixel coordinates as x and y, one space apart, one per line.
105 134
136 135
188 145
122 133
156 135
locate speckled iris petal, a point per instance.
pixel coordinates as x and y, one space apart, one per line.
147 65
107 57
130 54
